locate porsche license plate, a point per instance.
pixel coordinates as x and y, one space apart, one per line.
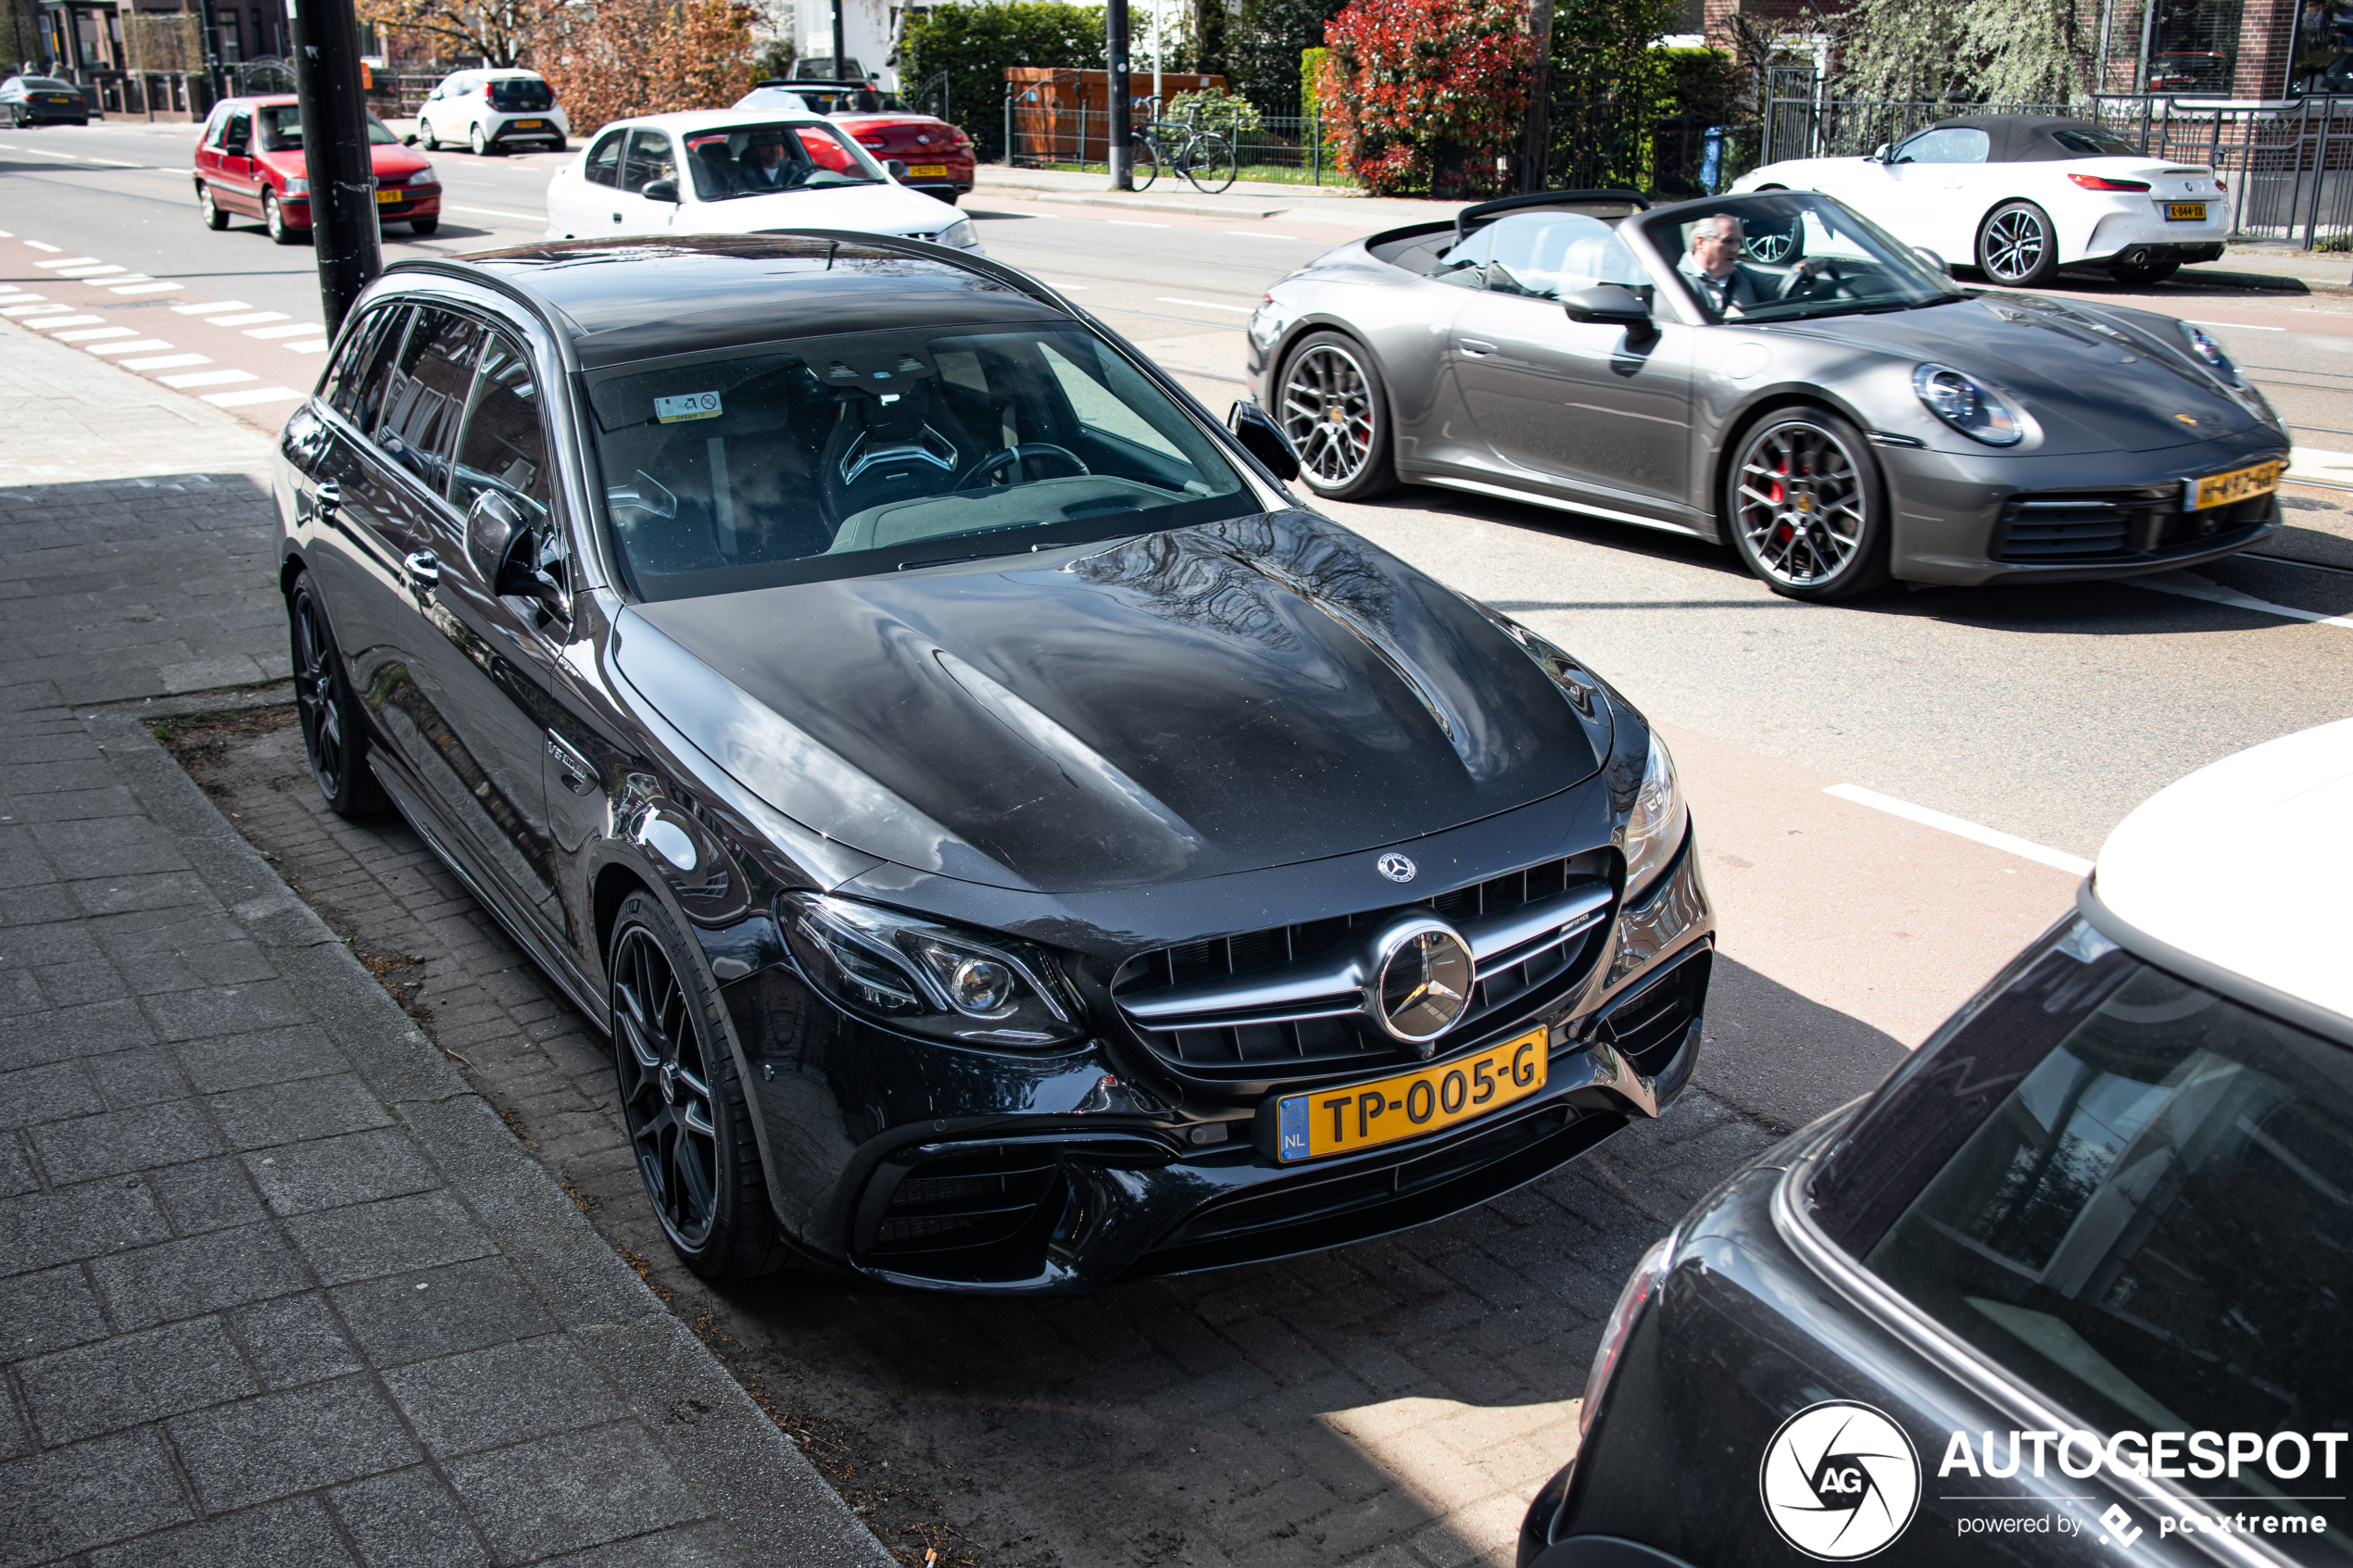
927 171
387 198
1409 1104
531 125
2221 489
2186 212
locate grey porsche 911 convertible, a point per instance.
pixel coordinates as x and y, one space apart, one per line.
1772 371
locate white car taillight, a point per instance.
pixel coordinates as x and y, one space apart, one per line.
1649 1274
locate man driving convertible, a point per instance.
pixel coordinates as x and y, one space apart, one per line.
1725 284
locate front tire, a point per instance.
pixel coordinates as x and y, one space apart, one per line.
1806 506
423 226
425 137
2018 248
215 218
682 1103
273 218
334 734
1335 412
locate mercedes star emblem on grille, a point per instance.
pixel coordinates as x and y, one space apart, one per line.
1396 867
1421 985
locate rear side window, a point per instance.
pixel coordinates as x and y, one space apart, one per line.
347 377
604 162
648 160
426 393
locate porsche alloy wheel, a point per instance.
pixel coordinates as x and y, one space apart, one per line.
1334 412
1804 507
681 1103
2017 248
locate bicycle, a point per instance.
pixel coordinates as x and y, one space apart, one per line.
1205 158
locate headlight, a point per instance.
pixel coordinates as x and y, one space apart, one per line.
424 177
960 235
2206 349
926 978
1654 828
1969 405
298 186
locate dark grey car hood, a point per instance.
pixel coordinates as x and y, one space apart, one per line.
1225 698
2095 381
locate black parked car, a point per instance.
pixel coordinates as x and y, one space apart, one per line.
42 100
2069 1288
1014 844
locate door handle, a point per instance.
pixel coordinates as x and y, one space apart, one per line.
423 568
329 499
1475 348
616 218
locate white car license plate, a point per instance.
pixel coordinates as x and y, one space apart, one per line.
2186 212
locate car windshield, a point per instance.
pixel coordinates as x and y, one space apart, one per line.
871 452
281 129
758 160
1799 256
520 94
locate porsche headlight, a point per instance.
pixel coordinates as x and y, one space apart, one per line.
2206 349
1654 828
927 978
1969 405
959 233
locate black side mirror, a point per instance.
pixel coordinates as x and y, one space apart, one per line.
661 191
1264 439
409 140
1610 305
898 171
499 546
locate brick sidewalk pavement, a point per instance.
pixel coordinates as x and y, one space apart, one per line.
276 1287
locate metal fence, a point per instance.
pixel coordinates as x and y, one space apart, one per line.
1290 149
1603 143
2286 164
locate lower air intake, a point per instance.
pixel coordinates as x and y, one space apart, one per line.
978 1215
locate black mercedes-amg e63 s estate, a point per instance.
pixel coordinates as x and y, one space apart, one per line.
1012 844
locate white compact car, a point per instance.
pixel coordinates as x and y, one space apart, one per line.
491 111
715 171
2023 195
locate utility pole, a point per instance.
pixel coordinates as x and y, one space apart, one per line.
1123 173
334 153
841 52
1537 151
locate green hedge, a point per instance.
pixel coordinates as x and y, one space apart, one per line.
975 44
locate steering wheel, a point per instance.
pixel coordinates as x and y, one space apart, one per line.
1804 285
1012 456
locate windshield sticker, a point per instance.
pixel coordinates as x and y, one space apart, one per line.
693 406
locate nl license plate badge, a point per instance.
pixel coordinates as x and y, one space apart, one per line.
1354 1117
2221 489
2186 212
531 125
927 171
387 198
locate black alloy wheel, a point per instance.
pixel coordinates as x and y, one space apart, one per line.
2140 274
1336 413
215 214
681 1102
334 737
2018 248
1806 507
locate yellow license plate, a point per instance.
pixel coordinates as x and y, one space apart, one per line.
531 124
2186 212
2221 489
928 171
386 198
1411 1105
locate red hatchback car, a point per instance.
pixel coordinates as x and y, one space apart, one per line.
938 156
250 161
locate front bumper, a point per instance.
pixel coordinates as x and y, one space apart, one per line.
549 133
945 1168
426 205
1967 519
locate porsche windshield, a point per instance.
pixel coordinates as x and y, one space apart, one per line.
1786 257
839 456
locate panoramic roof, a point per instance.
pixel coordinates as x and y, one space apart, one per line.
642 299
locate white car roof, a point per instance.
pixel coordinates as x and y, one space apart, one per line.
687 121
2245 864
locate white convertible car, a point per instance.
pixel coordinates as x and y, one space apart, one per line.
2023 195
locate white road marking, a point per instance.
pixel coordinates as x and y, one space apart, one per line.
33 309
144 346
208 378
249 318
169 363
318 346
255 394
2189 586
292 328
11 295
147 288
208 307
1262 235
1135 223
1206 304
1960 827
42 244
86 334
86 273
72 261
6 235
52 326
496 212
2318 462
2241 326
77 157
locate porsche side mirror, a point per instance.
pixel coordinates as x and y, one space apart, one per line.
1935 262
898 171
1608 305
1264 439
660 191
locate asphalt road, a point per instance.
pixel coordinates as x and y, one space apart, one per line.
1850 926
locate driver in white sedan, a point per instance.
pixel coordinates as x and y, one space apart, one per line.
1726 285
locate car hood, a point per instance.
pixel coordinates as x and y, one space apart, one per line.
875 209
2095 380
1225 698
386 163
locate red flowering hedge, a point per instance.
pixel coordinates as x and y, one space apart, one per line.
1423 95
